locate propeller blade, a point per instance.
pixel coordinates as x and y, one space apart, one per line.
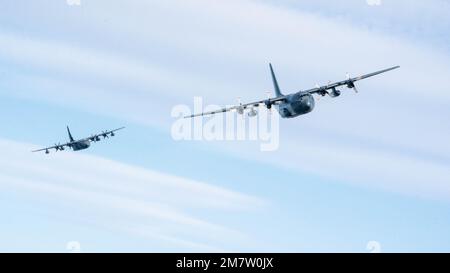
351 84
240 109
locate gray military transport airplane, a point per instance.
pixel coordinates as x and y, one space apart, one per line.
295 104
81 144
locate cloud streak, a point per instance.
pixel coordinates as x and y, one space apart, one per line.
153 203
392 136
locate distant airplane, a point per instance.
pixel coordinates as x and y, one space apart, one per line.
81 144
295 104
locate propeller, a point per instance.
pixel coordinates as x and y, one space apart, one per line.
323 90
112 134
58 147
47 151
104 134
351 84
268 103
240 108
320 95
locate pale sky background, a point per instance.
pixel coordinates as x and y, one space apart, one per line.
368 167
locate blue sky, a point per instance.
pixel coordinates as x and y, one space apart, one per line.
360 168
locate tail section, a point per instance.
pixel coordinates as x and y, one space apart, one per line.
275 83
70 135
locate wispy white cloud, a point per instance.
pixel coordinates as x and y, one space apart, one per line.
401 112
360 165
414 20
150 203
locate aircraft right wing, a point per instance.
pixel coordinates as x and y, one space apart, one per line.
104 134
241 107
57 147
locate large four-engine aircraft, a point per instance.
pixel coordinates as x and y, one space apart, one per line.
295 104
81 144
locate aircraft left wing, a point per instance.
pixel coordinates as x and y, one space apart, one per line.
241 107
350 83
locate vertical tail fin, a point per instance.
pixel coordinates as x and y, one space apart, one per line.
275 83
70 135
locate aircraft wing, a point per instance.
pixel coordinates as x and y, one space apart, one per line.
104 134
350 82
240 108
57 147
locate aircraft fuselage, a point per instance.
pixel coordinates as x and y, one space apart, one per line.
80 145
296 105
